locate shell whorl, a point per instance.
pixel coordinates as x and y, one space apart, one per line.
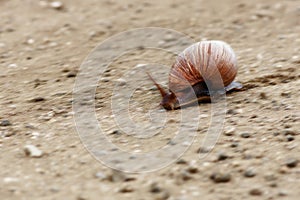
202 62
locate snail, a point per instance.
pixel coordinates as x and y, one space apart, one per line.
200 71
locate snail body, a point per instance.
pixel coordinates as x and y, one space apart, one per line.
198 71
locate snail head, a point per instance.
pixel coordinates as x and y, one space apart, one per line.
169 100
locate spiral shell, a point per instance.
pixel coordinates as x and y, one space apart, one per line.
203 62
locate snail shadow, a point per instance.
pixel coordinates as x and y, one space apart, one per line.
211 97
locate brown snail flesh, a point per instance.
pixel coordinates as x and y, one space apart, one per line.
203 64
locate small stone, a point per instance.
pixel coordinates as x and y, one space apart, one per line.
222 156
72 73
291 162
116 132
169 38
33 151
263 95
158 192
290 138
185 175
181 161
203 150
140 65
57 5
229 131
192 169
234 144
285 94
10 180
296 59
13 65
36 99
282 193
255 192
249 173
5 122
245 135
219 177
101 175
30 41
117 176
154 188
126 189
121 82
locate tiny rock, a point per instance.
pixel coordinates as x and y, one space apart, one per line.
5 122
291 162
33 151
158 192
36 99
222 156
219 177
249 173
185 175
245 135
56 5
101 175
121 82
229 131
155 188
126 189
255 192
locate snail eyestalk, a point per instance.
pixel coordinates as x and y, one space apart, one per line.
168 99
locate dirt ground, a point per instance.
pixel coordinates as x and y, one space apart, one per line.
42 46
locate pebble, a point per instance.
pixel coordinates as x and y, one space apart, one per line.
13 65
229 131
222 156
56 5
33 151
185 175
72 73
119 176
169 38
159 193
290 138
245 135
116 132
36 99
155 188
10 180
282 193
126 189
5 122
181 161
192 169
255 192
234 144
263 95
121 82
219 177
30 41
291 162
140 65
101 175
249 173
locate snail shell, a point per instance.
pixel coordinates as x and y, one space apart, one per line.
203 65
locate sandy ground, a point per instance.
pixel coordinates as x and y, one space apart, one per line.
42 47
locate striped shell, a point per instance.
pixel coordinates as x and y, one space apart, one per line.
207 60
